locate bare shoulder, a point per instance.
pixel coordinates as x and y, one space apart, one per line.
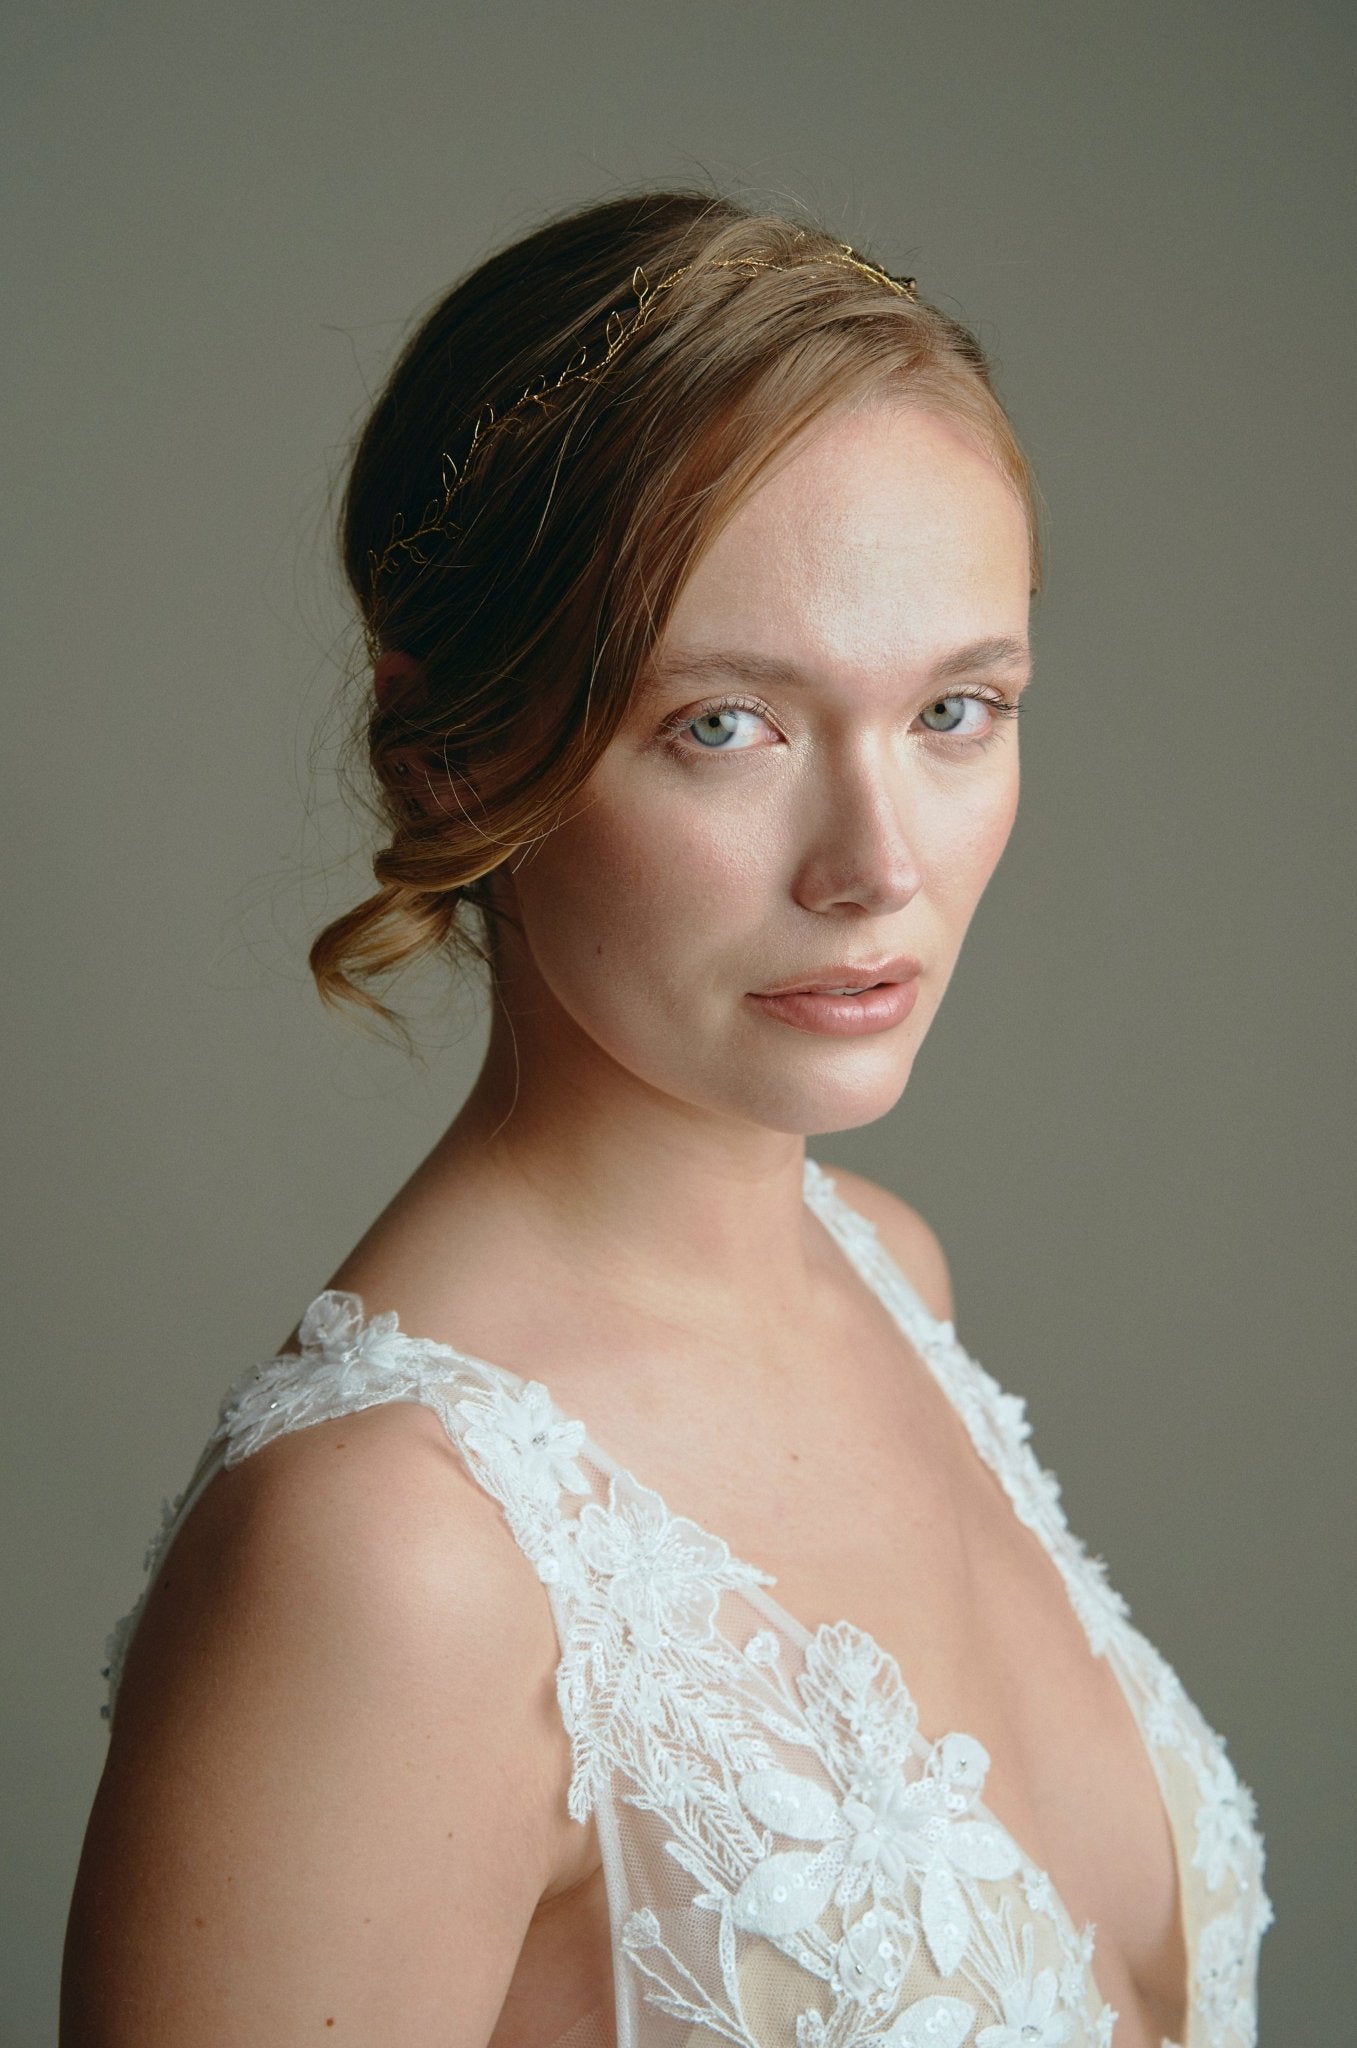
354 1538
336 1770
910 1240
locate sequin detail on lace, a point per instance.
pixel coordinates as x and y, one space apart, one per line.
788 1857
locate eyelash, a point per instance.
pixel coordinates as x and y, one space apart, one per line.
673 729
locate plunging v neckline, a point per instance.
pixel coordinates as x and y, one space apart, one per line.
854 1226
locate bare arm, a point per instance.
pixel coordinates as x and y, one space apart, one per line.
335 1787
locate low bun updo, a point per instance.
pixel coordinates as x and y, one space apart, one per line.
557 443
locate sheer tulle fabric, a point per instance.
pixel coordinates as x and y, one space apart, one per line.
789 1858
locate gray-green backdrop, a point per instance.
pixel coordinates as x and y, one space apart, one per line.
1129 1126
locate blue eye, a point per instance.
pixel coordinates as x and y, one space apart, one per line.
952 711
732 727
714 728
719 731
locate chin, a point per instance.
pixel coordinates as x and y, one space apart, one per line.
828 1094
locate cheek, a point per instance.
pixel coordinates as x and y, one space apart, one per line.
658 883
683 877
968 839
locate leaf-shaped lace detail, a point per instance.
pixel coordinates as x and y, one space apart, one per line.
788 1892
871 1960
642 1667
780 1775
855 1700
932 2023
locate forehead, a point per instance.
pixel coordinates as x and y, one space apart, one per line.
883 537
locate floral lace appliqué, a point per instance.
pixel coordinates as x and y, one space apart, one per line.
773 1784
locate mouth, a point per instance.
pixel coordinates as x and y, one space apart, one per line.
860 990
847 978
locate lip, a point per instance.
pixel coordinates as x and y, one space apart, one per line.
847 974
879 1008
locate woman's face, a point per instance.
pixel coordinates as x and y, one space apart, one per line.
812 787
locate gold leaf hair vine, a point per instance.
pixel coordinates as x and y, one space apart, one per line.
619 328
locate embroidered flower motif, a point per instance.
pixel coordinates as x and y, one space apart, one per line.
343 1365
333 1327
640 1930
886 1828
941 1844
660 1568
1032 2017
520 1429
920 1828
679 1779
1225 1835
884 1825
721 1743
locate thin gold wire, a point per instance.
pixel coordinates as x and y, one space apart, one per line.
619 329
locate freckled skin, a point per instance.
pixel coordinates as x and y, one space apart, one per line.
883 543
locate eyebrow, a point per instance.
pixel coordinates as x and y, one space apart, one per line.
761 669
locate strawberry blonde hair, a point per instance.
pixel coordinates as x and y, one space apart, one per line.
558 442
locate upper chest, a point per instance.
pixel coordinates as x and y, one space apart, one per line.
861 1492
853 1480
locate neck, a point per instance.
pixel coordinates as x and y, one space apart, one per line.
682 1214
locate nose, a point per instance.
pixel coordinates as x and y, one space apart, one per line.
862 856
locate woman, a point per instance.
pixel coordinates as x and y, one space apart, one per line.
695 556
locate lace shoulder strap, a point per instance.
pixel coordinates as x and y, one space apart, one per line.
342 1365
995 1421
511 1438
858 1237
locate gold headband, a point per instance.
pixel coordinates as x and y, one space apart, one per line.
619 329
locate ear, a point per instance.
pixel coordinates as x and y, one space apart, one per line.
390 670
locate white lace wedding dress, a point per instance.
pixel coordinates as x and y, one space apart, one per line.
789 1858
